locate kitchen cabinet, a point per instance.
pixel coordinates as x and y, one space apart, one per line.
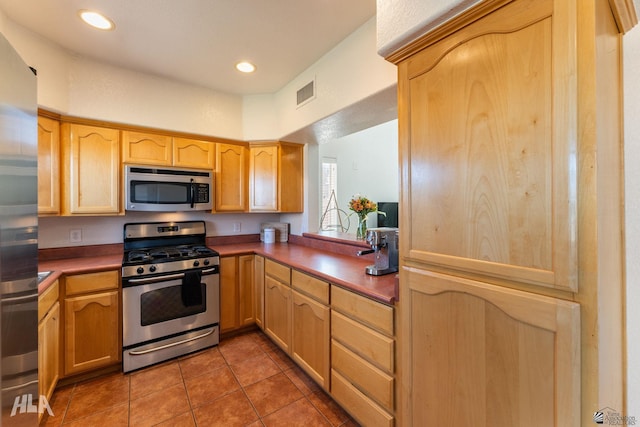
277 303
48 166
276 177
92 330
48 341
90 170
231 178
510 146
236 292
311 326
166 150
258 280
363 357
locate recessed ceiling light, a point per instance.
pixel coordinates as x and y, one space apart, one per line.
96 20
245 67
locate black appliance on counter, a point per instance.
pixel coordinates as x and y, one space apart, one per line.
170 292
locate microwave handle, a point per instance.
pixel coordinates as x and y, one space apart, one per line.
193 194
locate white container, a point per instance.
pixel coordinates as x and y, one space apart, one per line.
269 235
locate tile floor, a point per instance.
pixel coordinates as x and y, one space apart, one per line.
245 381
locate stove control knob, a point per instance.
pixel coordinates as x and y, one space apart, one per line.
196 263
206 261
152 268
140 270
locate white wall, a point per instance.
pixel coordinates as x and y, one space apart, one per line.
632 210
367 165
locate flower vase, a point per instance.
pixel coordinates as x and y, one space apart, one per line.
361 232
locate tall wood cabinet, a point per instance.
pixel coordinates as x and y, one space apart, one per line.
48 166
511 280
276 177
90 170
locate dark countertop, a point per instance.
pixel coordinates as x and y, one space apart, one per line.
342 270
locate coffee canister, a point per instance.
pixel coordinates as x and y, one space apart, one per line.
269 235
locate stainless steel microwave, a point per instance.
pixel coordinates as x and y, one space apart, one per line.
167 189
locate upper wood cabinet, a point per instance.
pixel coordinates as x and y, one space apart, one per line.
231 178
165 150
276 177
48 166
90 170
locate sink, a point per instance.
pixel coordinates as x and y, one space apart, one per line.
43 275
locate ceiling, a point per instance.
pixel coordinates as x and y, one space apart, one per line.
200 41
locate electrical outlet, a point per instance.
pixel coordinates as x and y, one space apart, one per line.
236 227
75 236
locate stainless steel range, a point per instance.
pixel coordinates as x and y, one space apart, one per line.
170 292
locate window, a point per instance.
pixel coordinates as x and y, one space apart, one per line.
330 219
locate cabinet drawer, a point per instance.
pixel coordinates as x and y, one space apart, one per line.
315 288
370 345
278 271
47 299
365 410
367 311
85 283
366 377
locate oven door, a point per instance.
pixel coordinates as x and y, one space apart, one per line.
152 308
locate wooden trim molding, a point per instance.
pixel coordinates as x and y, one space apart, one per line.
625 14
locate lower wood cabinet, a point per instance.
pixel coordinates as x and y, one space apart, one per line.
92 331
277 308
237 305
48 341
311 326
363 357
258 281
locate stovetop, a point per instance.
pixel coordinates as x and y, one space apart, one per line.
167 253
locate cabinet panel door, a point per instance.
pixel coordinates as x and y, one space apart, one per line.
231 178
277 312
263 183
192 153
49 351
246 289
48 166
258 279
91 172
92 338
494 192
229 294
310 344
496 356
146 148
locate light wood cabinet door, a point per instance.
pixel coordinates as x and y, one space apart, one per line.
291 178
48 166
49 351
516 353
311 337
231 178
229 294
277 312
495 190
263 178
192 153
91 170
146 148
92 332
246 289
258 280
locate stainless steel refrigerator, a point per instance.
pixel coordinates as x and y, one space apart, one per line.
18 240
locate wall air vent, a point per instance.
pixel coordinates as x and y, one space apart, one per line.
306 93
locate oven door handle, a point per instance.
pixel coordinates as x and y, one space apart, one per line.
156 279
173 344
